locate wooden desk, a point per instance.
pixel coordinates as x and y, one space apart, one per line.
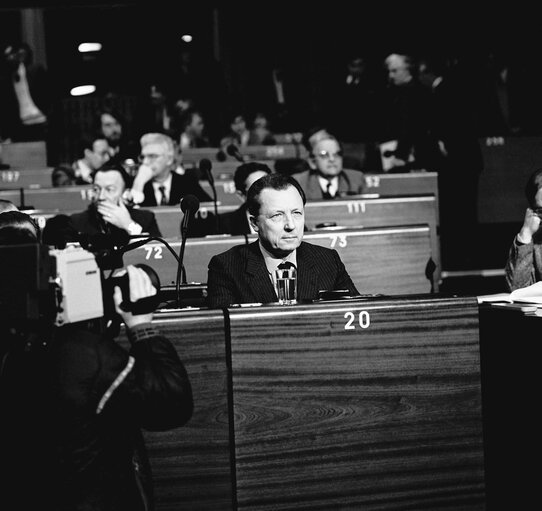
251 153
389 260
191 465
511 352
19 177
65 199
358 404
225 191
27 155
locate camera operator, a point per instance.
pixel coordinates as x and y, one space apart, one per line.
74 402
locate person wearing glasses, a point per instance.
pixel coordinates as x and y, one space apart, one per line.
157 182
326 178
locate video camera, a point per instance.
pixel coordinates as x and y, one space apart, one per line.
66 285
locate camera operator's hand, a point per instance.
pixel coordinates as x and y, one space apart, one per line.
115 214
531 224
140 287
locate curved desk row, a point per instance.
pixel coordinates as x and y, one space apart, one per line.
353 404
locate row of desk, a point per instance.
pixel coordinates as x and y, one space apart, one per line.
370 404
388 260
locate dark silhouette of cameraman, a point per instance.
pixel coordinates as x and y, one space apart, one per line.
74 401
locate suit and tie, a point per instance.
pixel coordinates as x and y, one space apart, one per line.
240 275
351 182
181 185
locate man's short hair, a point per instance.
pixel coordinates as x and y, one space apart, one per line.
244 170
159 138
109 167
17 228
7 205
275 182
534 183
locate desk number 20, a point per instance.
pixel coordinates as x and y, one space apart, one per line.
364 320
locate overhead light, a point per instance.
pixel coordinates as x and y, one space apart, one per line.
187 38
88 47
83 90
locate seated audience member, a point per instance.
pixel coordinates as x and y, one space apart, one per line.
108 212
237 222
110 124
327 178
93 153
524 264
245 273
260 133
156 182
238 133
7 205
192 128
91 398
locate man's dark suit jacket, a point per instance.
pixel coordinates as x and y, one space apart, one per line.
234 222
181 185
240 275
87 222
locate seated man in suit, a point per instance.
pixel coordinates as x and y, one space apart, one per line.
326 178
237 222
156 183
94 151
108 212
244 273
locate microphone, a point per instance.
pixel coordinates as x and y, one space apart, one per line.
205 167
233 150
189 206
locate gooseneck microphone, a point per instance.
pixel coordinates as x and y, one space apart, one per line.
233 150
189 206
205 167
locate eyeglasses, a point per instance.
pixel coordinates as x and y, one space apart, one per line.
152 157
326 155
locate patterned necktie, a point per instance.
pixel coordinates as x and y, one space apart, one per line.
163 200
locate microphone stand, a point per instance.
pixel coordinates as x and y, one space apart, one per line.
180 267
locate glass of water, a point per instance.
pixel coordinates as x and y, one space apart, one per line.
286 285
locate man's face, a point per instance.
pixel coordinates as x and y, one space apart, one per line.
111 128
99 155
156 157
327 158
280 221
238 125
197 125
398 71
108 186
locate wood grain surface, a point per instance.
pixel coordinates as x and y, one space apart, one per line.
384 417
191 464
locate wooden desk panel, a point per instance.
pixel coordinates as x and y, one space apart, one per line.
358 405
191 464
197 254
380 261
19 177
251 153
225 191
65 199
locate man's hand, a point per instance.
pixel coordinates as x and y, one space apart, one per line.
115 214
140 287
531 224
143 176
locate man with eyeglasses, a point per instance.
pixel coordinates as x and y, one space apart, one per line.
326 177
157 183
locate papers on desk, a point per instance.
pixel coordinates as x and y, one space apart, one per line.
527 299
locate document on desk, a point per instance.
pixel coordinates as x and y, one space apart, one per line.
530 296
